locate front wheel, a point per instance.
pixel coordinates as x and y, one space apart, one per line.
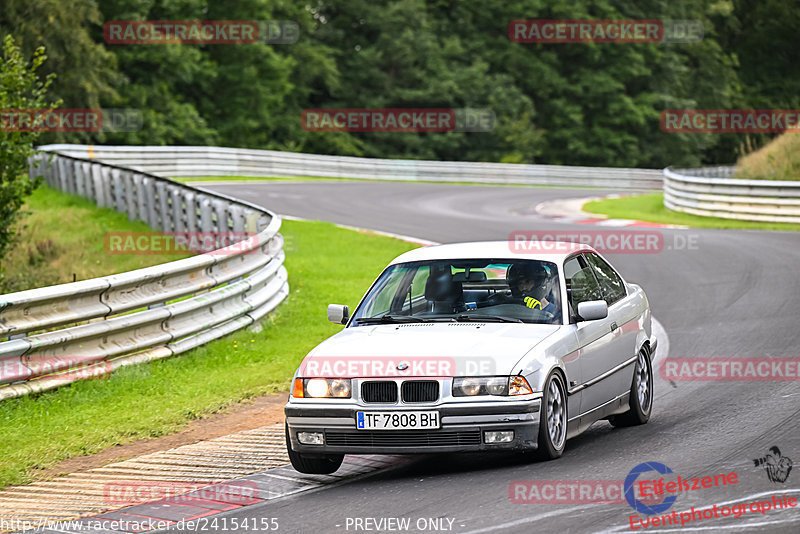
641 397
323 464
553 419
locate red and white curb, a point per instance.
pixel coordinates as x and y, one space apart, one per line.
570 211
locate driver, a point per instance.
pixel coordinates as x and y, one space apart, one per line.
531 282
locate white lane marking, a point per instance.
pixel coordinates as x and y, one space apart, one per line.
615 222
662 349
568 208
409 239
501 526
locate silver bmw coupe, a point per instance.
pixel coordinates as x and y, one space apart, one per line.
475 347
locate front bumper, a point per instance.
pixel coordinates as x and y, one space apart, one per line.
462 428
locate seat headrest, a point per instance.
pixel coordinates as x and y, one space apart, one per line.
442 286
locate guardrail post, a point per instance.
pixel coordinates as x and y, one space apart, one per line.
81 181
163 208
117 192
177 209
100 185
150 203
190 212
206 214
141 196
238 218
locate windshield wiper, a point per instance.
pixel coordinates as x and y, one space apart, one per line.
488 318
391 319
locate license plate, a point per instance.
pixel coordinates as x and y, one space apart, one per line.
397 420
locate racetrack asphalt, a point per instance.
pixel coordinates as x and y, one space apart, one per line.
730 296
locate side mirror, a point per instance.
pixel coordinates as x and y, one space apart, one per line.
592 310
338 313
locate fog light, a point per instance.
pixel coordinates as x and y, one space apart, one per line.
503 436
310 438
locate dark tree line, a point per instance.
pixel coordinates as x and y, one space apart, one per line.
580 104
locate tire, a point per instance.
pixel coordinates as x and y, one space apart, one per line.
553 419
641 397
318 464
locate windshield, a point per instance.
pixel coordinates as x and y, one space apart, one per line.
525 291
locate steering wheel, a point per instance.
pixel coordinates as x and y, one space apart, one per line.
500 298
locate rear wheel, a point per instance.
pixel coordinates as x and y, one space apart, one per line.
641 397
317 464
553 419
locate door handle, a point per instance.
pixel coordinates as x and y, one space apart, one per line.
613 326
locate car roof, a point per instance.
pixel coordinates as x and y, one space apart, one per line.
554 251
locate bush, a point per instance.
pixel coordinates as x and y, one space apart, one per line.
20 89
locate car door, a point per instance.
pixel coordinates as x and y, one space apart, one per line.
624 315
595 339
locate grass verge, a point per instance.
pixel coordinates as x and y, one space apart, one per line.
651 208
777 160
61 236
326 264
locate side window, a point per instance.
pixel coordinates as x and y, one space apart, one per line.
581 283
610 282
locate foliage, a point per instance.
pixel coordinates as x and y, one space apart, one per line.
576 104
20 89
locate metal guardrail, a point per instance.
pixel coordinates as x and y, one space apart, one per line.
185 161
63 333
712 191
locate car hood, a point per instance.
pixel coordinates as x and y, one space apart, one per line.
425 349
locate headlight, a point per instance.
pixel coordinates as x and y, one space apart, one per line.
491 385
467 386
340 388
497 386
319 388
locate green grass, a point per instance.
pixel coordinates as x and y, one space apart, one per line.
61 235
191 179
651 208
326 264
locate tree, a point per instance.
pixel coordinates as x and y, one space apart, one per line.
20 89
87 71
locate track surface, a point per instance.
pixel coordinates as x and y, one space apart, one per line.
733 296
